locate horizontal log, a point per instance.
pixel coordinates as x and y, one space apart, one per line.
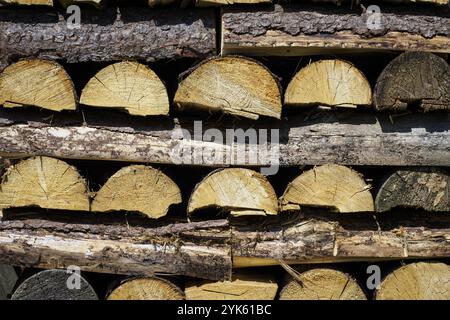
110 35
306 29
348 138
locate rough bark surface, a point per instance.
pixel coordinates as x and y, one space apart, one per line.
8 278
110 35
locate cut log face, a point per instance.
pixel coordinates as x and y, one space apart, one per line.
55 285
127 85
235 190
331 83
138 188
414 80
322 284
417 281
234 85
147 289
46 183
245 285
331 186
427 189
40 83
28 2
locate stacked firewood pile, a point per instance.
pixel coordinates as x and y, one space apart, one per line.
266 151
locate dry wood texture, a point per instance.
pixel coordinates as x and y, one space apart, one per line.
234 85
54 285
146 289
46 183
303 29
414 80
328 137
330 83
140 189
417 281
322 284
237 191
331 186
245 285
127 85
339 2
427 189
214 3
27 2
40 83
95 3
8 279
128 33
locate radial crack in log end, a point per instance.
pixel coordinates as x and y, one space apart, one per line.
146 289
138 188
39 83
238 191
233 85
44 182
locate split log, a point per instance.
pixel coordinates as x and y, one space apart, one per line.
146 289
331 186
40 83
140 189
216 3
8 279
417 281
46 183
322 284
55 285
100 37
416 80
234 85
329 83
245 285
311 29
127 85
27 2
427 189
237 191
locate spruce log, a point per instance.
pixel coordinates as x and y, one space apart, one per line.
110 35
335 187
40 83
426 189
417 80
8 279
417 281
127 85
329 83
54 285
154 288
234 85
138 188
312 29
46 183
27 2
344 138
235 190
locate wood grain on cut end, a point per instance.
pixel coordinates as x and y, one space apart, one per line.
416 80
335 83
147 289
417 281
331 186
138 188
46 183
127 85
28 2
235 190
234 85
322 284
427 189
40 83
245 285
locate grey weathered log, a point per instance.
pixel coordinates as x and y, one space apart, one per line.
348 138
8 278
314 29
110 35
421 188
55 285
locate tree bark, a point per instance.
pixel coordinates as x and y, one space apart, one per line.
295 30
110 35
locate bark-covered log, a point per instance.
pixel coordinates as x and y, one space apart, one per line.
300 30
110 35
27 2
328 137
